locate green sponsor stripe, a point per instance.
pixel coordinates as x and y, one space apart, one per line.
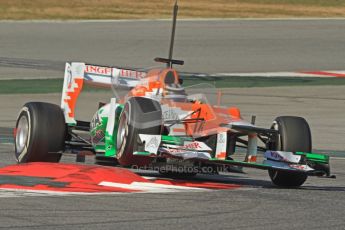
110 138
321 158
172 140
109 145
146 154
100 145
175 140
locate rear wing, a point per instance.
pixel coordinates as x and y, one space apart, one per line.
78 73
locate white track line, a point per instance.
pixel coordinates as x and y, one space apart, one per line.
141 187
148 187
7 192
308 74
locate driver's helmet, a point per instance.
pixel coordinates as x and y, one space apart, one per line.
172 88
163 83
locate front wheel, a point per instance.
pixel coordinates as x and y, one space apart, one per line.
139 116
40 133
294 136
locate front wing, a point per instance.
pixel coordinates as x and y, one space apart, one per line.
312 164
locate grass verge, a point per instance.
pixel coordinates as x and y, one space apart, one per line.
152 9
55 85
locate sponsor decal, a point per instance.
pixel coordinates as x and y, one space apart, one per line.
301 167
69 76
282 156
170 114
195 145
221 138
131 74
276 156
221 145
98 137
95 122
98 70
192 145
153 143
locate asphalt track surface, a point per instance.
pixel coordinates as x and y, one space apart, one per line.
319 204
40 49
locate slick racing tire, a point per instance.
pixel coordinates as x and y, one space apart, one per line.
139 116
294 136
40 133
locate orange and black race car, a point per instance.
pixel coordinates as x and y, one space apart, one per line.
160 124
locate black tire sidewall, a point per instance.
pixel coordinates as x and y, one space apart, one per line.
47 130
294 136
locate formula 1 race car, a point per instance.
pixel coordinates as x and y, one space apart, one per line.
160 124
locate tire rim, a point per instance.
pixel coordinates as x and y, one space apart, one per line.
22 134
122 134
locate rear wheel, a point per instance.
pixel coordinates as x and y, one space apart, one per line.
139 116
294 136
40 133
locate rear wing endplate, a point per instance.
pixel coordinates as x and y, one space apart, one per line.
78 73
